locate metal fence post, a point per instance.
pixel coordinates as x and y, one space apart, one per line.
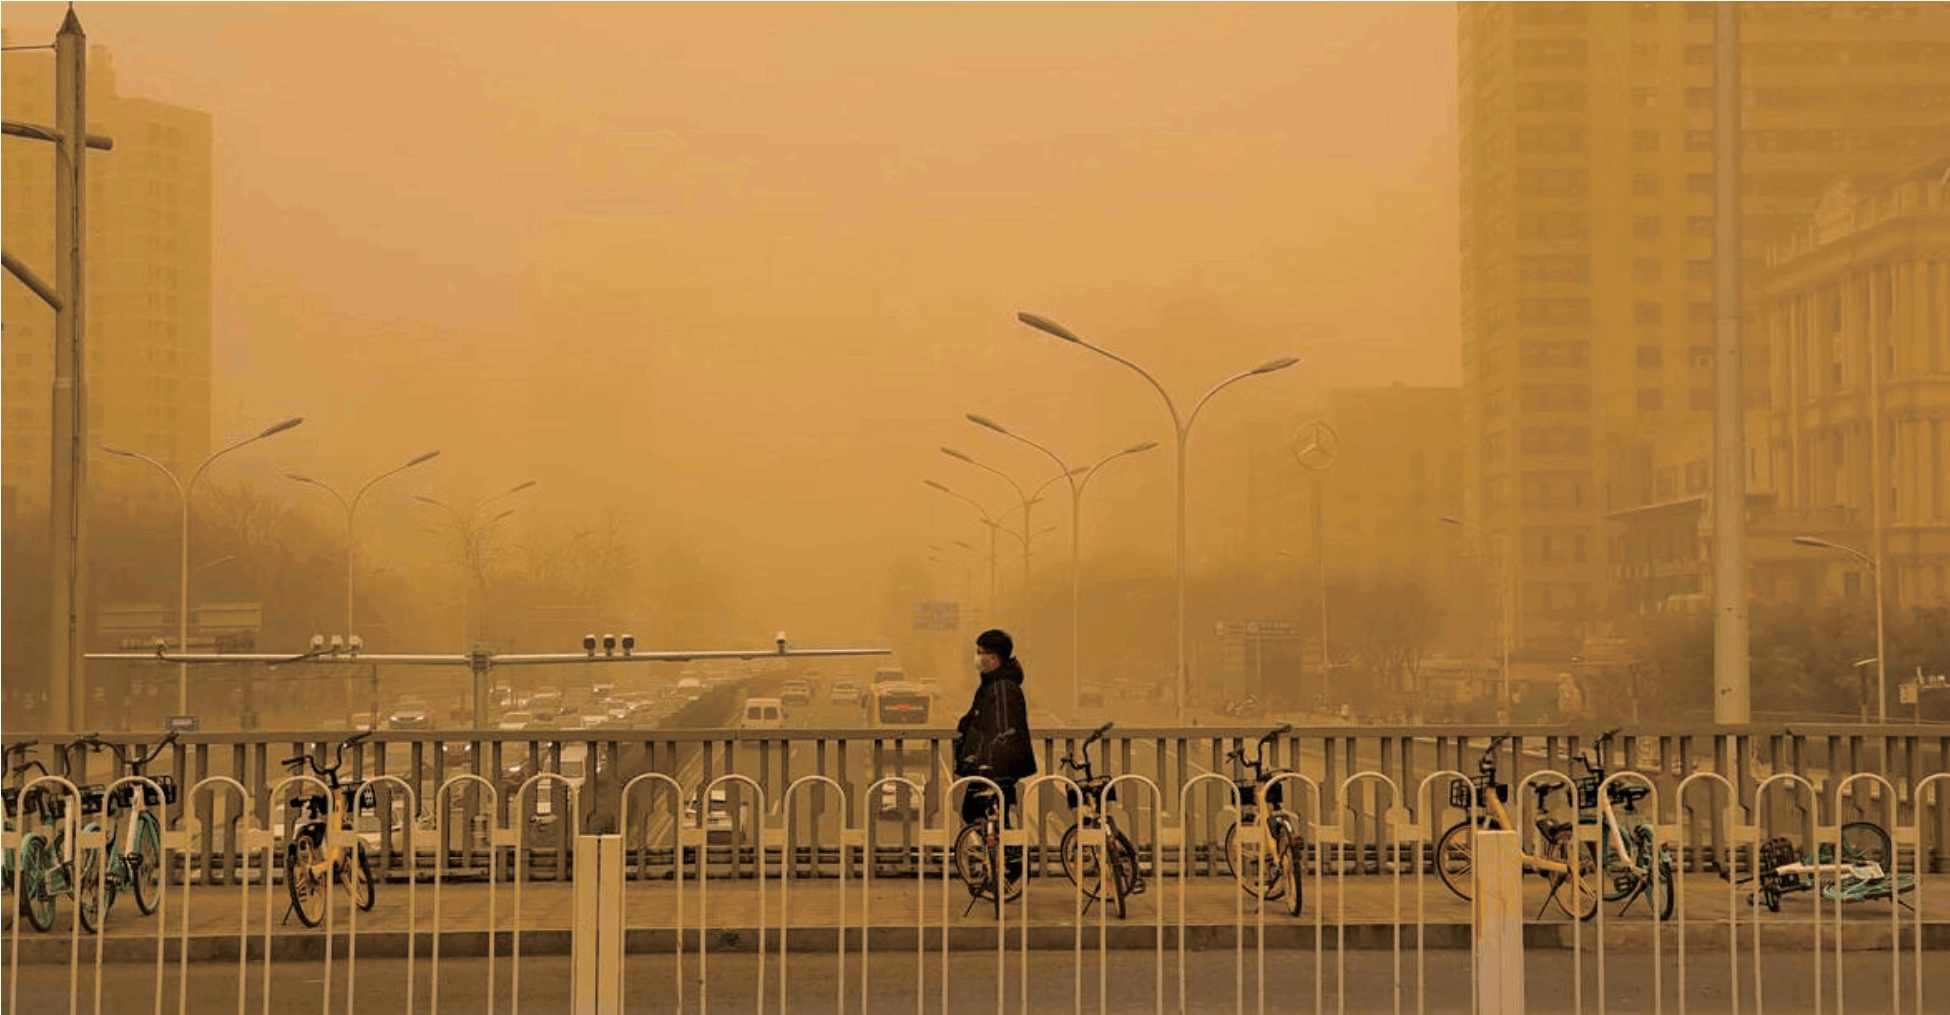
596 944
1499 923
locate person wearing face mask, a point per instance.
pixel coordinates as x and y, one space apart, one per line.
993 739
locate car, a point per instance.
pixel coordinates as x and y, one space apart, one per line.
410 719
515 721
796 692
717 823
575 769
844 692
764 714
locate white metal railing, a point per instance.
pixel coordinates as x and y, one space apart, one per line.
818 869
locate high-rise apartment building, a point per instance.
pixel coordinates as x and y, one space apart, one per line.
1587 234
148 285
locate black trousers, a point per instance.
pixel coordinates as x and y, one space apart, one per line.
975 803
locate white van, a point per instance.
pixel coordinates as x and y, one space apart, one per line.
764 714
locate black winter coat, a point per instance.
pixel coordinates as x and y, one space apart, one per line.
995 730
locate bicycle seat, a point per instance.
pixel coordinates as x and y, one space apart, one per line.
1629 795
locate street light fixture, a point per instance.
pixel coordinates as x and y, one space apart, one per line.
986 520
1076 501
1505 618
183 539
1182 429
1026 504
351 510
473 548
1875 572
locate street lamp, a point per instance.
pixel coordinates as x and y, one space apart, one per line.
1182 430
183 549
1076 501
1875 572
351 509
473 543
986 520
1503 601
1026 503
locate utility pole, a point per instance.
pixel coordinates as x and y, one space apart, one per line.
1731 700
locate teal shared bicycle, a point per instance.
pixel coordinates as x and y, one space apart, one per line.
29 865
103 874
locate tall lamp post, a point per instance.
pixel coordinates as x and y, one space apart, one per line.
1505 619
183 543
986 520
473 537
1076 501
351 508
1182 429
1027 502
1875 573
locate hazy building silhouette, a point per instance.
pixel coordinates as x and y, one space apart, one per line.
1586 141
148 284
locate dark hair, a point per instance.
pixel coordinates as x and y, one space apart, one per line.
997 641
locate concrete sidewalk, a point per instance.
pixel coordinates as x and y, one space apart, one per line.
1363 912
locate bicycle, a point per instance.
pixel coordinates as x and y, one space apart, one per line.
979 854
1558 863
1629 869
27 866
1094 843
1245 852
324 847
105 872
1861 874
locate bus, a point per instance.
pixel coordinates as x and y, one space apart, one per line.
902 704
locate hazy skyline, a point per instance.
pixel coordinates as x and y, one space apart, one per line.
739 270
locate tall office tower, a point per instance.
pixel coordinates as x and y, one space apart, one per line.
148 285
1587 236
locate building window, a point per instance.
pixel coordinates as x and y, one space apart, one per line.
1556 440
1650 357
1702 357
1651 400
1553 182
1550 140
1558 491
1646 312
1699 54
1546 313
1701 399
1699 225
1699 98
1699 270
1645 140
1699 313
1699 183
1645 227
1556 398
1553 269
1549 355
1556 225
1645 53
1645 97
1646 12
1645 184
1699 140
1645 269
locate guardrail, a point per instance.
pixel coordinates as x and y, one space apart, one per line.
772 886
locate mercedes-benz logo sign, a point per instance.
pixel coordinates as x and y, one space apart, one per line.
1316 445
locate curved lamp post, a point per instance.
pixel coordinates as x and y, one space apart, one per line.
1182 429
986 520
351 508
1026 504
183 557
472 548
1506 619
1076 501
1875 572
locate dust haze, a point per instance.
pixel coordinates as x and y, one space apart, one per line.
729 276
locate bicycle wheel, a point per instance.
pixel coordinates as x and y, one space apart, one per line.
1655 871
1257 873
972 860
94 894
1619 870
1084 866
35 860
145 876
1862 842
1120 884
1574 891
356 875
1127 858
1455 855
1292 879
307 894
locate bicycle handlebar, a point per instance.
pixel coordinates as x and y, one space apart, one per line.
96 743
338 758
20 748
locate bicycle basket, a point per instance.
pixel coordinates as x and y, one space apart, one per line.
1462 796
1248 792
12 797
1275 793
313 805
50 806
165 786
92 798
359 797
1588 790
1777 852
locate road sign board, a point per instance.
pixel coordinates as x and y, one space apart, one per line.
937 615
183 724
